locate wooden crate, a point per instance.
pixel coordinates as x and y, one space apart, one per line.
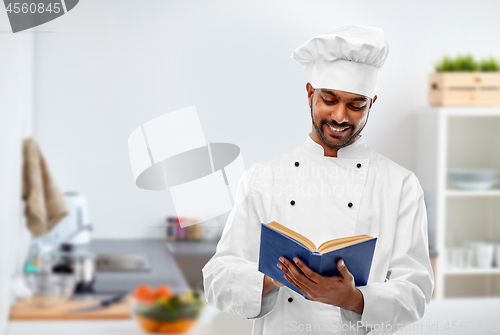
464 89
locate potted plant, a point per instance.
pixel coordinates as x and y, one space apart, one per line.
464 81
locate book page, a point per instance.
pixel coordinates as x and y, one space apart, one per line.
342 242
293 234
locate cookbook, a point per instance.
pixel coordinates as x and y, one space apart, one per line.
277 240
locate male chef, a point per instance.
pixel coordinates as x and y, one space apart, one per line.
331 186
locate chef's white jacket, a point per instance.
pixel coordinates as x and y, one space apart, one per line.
357 192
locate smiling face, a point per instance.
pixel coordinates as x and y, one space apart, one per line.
338 117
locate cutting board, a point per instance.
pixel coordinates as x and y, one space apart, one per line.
22 310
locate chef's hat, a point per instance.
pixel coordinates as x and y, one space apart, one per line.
347 59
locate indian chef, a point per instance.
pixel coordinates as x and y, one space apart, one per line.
331 186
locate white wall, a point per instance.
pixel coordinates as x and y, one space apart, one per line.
16 115
110 65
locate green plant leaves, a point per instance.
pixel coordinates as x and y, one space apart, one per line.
466 63
490 64
171 310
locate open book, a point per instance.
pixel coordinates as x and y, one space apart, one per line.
325 246
277 240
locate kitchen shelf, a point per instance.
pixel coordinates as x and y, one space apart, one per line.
192 248
462 193
467 111
459 138
471 271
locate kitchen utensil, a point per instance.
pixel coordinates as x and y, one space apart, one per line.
171 228
48 288
101 305
80 262
474 179
455 257
470 255
485 254
497 255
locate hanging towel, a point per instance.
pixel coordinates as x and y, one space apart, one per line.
45 205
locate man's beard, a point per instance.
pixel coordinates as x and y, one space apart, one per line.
324 138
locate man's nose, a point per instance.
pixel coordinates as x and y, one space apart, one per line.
339 113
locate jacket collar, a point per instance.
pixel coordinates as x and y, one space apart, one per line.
351 151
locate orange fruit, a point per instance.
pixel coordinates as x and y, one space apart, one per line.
163 292
144 293
148 325
180 326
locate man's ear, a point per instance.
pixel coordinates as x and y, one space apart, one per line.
373 100
310 93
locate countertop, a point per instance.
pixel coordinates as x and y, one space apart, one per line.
454 316
164 270
204 326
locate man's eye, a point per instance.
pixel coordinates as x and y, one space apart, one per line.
329 101
356 108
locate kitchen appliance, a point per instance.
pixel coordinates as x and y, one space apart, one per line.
79 262
76 219
74 259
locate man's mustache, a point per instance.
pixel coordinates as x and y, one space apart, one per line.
337 125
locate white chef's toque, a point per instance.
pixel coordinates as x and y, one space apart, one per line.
347 59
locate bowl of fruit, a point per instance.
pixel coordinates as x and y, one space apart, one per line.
159 310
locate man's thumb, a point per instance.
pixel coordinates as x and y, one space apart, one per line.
343 268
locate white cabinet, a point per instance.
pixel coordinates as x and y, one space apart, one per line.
449 138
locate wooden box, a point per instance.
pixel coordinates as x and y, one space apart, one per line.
464 89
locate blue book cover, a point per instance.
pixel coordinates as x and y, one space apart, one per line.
274 244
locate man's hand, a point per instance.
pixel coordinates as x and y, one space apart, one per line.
277 283
269 284
338 290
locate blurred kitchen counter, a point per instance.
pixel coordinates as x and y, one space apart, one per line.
164 269
204 326
211 322
476 316
163 257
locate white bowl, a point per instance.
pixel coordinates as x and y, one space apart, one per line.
474 179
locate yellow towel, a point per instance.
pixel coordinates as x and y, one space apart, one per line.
45 205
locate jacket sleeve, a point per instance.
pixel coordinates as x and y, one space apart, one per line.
404 297
231 278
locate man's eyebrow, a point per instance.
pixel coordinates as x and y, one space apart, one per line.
333 94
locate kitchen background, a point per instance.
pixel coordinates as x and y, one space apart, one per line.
82 83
